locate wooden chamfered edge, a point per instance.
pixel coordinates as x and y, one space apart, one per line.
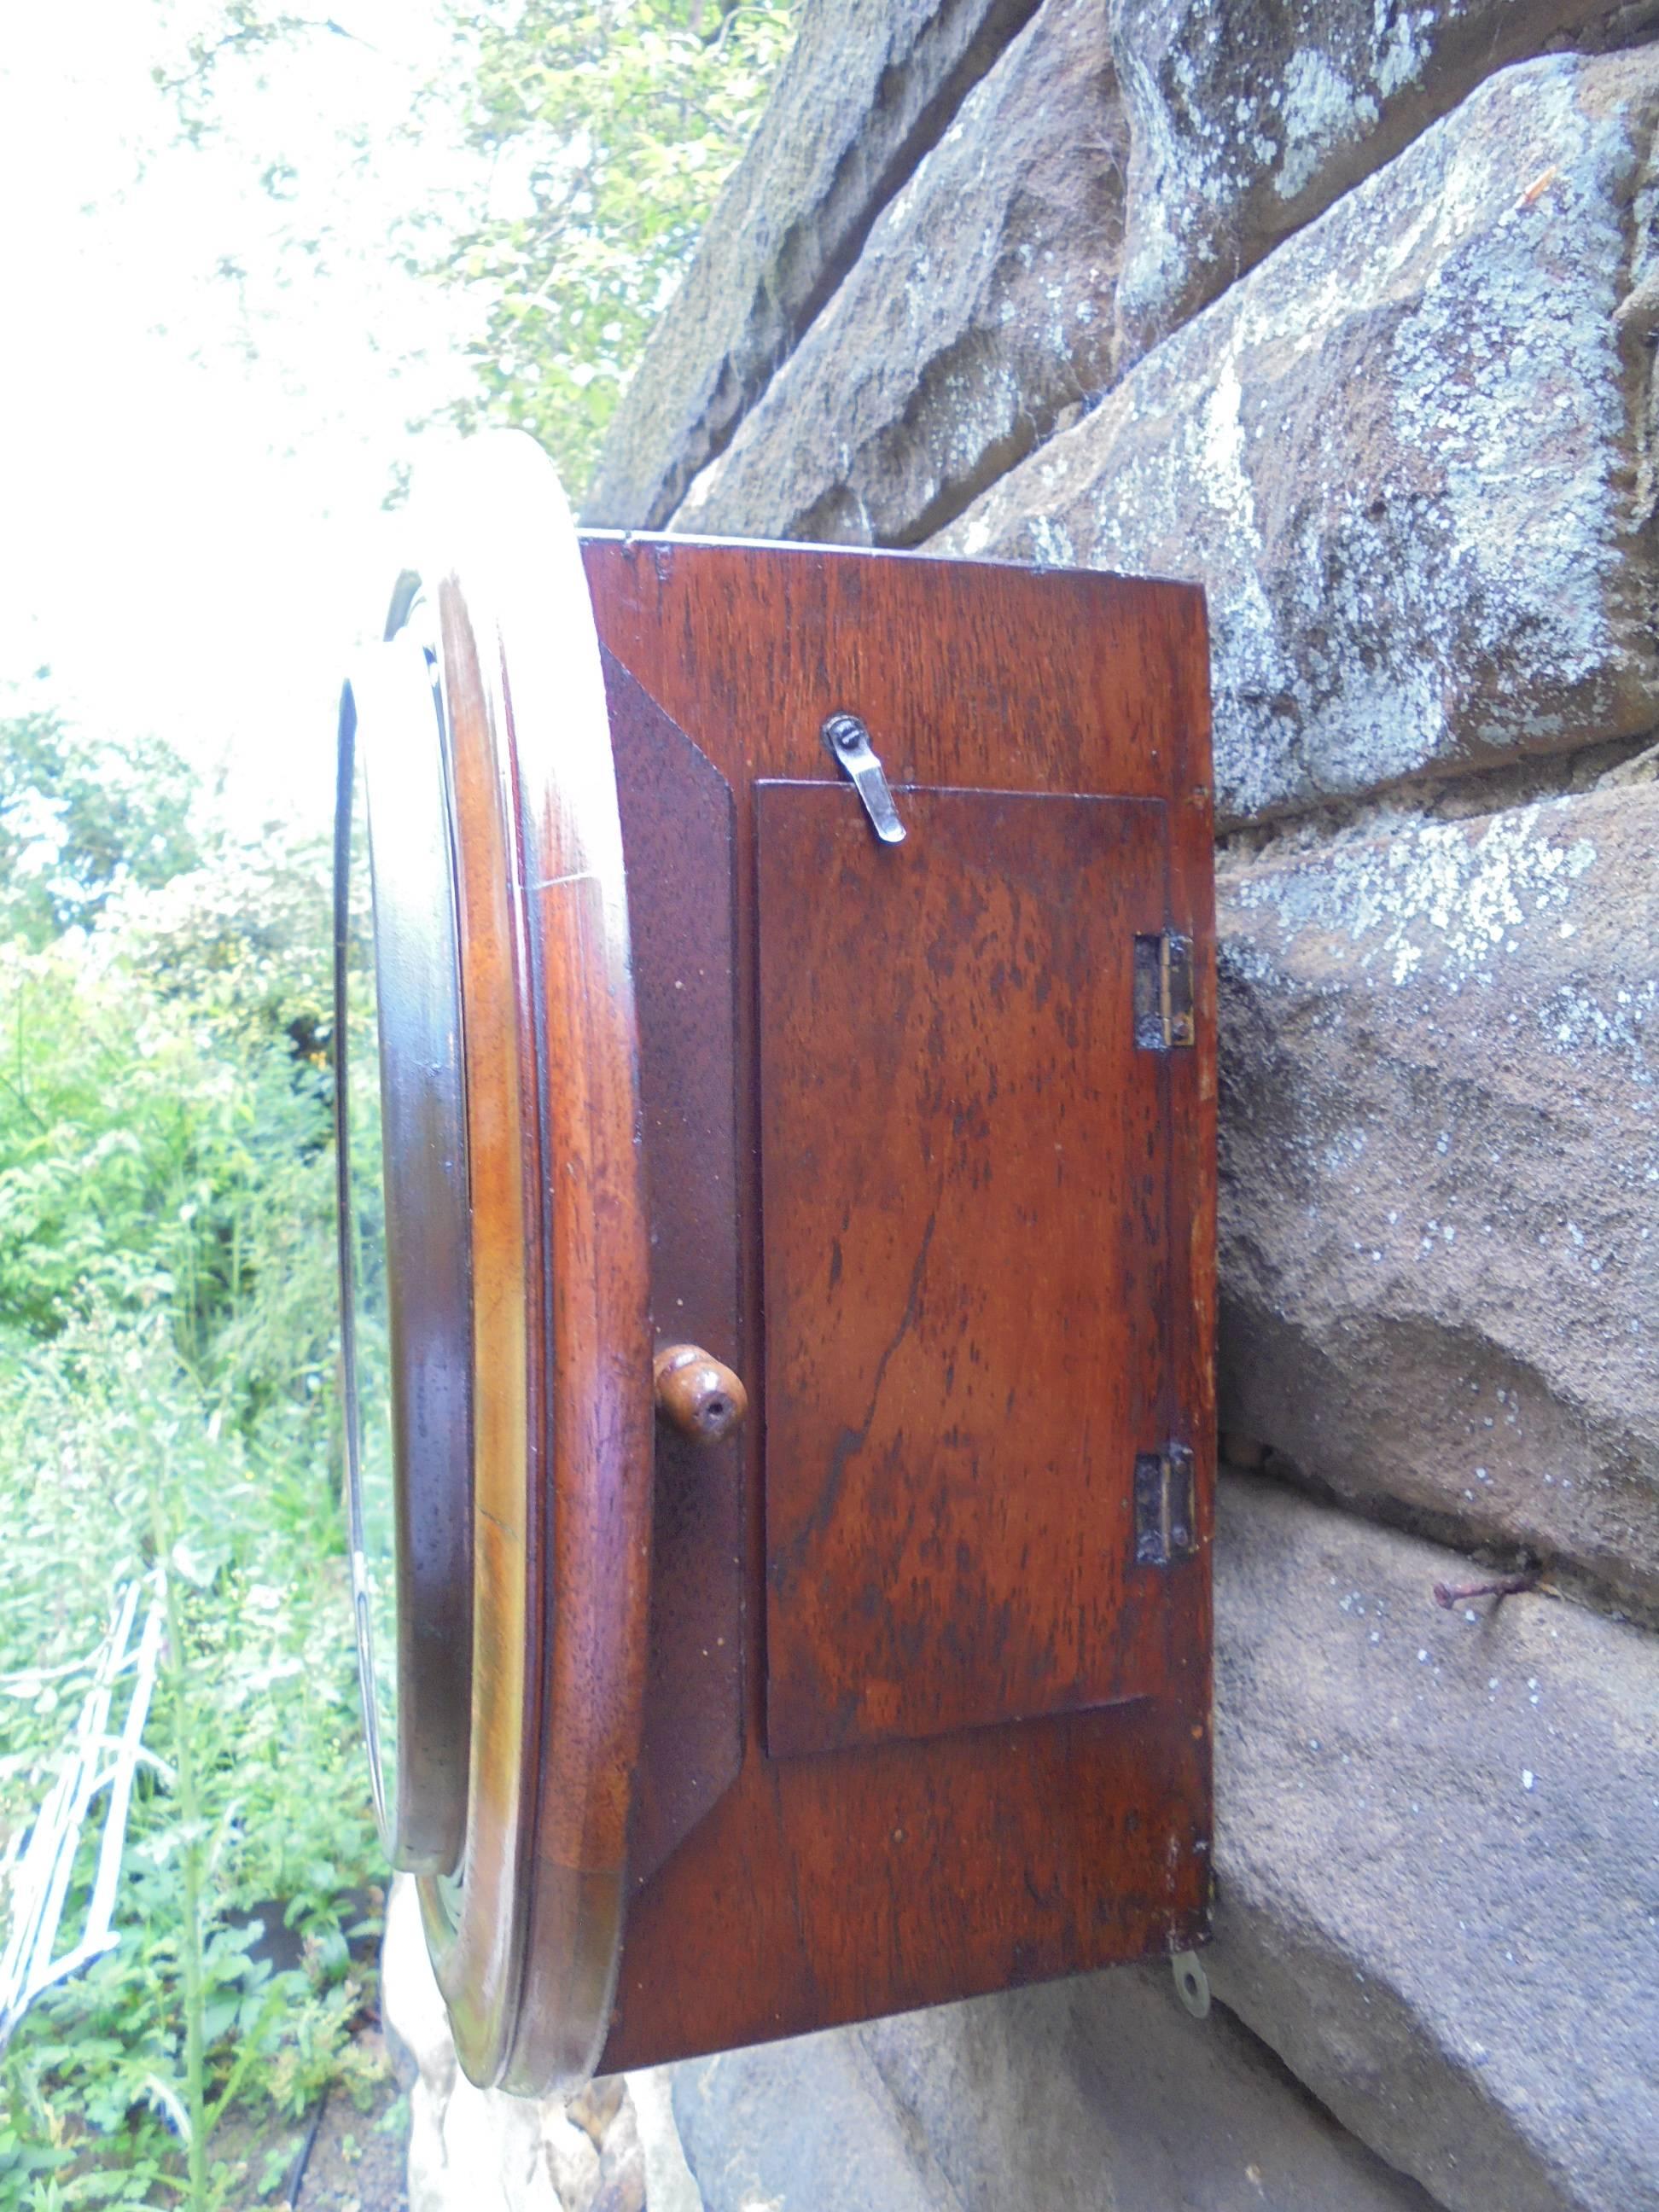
676 811
828 1889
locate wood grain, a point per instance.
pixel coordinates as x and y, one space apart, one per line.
526 1940
827 1888
594 1420
964 1220
676 843
476 1929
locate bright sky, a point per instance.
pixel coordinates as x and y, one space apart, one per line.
191 468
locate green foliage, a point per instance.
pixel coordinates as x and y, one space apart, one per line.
612 124
78 821
255 1793
627 116
164 1118
166 1343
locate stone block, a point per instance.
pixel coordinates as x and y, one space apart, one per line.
1248 120
611 2147
980 308
1095 2092
869 85
1439 1238
1407 454
1436 1843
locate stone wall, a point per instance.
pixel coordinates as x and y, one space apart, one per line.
1348 310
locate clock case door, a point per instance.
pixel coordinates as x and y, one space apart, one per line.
929 1139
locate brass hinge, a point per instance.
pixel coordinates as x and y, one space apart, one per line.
1163 992
1165 1529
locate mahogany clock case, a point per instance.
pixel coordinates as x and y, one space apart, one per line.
899 1691
927 1714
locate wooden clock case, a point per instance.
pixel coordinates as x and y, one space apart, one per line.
900 1692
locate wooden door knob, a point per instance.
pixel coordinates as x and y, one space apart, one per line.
698 1395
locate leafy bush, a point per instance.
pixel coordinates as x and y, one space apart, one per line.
78 820
166 1354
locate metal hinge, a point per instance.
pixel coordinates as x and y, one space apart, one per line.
1163 992
1165 1530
